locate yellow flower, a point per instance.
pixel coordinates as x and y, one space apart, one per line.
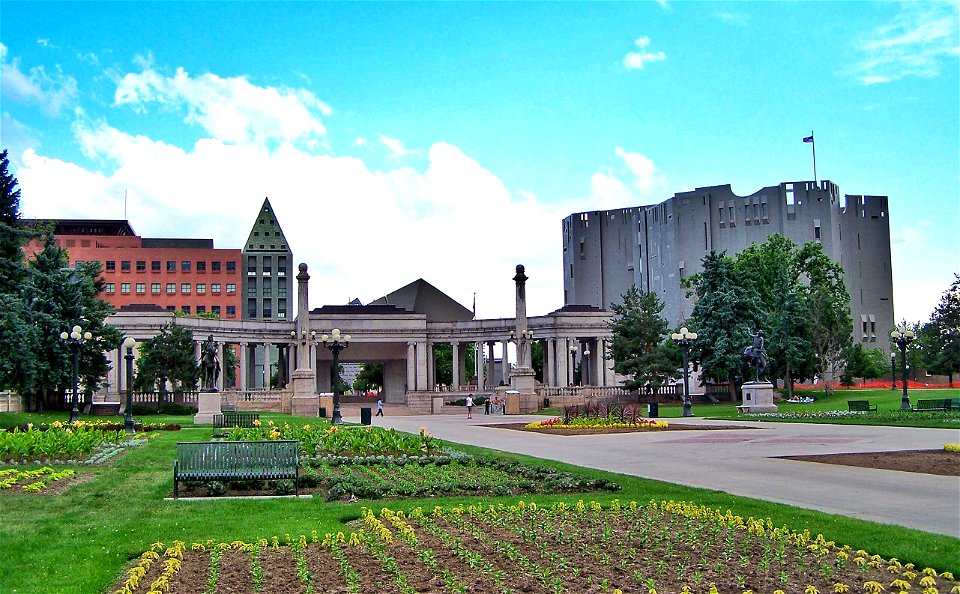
840 588
872 587
811 589
256 422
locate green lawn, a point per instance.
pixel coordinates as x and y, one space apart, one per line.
81 540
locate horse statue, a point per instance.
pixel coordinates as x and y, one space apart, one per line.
756 356
210 364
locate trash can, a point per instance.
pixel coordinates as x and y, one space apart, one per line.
323 412
653 409
365 416
546 403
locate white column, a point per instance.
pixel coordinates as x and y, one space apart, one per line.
478 366
266 365
506 363
114 373
611 373
455 366
411 367
223 369
421 368
431 368
490 380
242 377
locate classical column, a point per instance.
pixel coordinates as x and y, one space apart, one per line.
505 371
196 349
223 368
266 366
611 374
421 369
411 367
431 368
490 362
562 357
478 365
114 373
523 344
455 366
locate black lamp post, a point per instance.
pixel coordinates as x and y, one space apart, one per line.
903 338
573 363
128 344
336 343
684 338
893 371
75 338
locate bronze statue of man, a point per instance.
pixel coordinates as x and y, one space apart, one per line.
210 363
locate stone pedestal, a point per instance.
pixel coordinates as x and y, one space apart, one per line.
208 405
305 401
524 383
757 397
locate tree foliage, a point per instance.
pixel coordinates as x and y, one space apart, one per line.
369 379
637 347
944 330
863 363
443 362
168 359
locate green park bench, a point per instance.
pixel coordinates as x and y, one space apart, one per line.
861 406
236 461
933 404
235 419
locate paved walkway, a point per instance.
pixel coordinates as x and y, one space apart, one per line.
742 462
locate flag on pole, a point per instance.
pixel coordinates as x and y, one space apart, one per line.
474 304
808 138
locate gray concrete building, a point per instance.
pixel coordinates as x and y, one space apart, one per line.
653 247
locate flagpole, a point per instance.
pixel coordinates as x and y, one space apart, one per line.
813 145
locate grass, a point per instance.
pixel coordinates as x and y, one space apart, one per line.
887 401
81 540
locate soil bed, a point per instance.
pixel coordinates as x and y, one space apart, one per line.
924 461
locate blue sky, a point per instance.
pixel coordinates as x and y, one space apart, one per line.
448 140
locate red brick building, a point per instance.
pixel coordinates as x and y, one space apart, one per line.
177 274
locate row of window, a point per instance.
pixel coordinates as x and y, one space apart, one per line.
202 309
185 288
155 266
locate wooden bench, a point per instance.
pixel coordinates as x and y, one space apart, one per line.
236 461
235 419
861 406
933 404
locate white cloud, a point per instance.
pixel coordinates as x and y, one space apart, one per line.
53 92
230 109
450 222
920 41
734 18
608 192
360 141
648 177
395 146
637 60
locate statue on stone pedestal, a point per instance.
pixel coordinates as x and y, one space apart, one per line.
756 356
210 364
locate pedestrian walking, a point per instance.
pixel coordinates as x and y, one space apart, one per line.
469 406
486 406
380 407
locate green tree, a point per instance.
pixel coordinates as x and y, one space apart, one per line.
17 335
168 358
725 316
828 310
443 362
536 359
229 366
370 378
945 333
863 363
637 346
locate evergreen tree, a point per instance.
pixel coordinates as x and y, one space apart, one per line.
828 310
16 334
945 331
637 347
12 234
725 316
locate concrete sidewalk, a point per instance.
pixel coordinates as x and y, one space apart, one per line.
744 462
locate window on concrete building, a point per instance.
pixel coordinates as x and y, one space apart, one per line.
231 288
267 288
125 288
231 311
251 308
763 210
201 288
282 265
215 309
185 288
141 288
171 266
110 265
201 266
141 265
171 288
733 215
816 232
215 266
231 266
281 315
215 288
267 265
155 288
252 286
267 311
281 287
110 288
155 265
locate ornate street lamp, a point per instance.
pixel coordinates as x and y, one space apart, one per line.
903 338
893 371
128 344
75 339
336 343
585 366
684 338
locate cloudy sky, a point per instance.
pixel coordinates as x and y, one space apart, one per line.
447 141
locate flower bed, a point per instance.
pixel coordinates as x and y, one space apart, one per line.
597 423
875 418
31 481
659 547
338 439
58 442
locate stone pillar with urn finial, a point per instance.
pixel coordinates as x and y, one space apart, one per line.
522 380
305 401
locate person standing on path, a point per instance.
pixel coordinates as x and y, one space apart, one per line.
486 406
380 407
469 406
